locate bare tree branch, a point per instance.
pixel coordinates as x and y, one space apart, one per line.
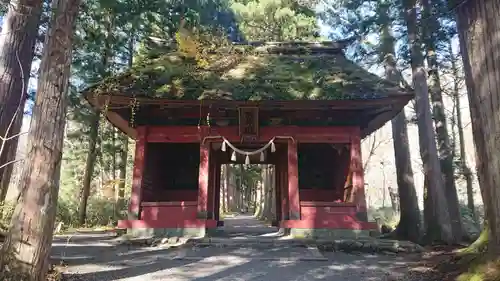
5 138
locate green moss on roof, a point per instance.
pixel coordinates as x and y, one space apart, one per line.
245 74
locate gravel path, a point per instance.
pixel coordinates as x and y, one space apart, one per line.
95 257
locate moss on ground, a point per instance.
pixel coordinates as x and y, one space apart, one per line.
480 267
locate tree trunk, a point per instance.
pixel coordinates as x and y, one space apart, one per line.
268 210
259 198
431 27
464 167
122 173
479 30
17 42
89 168
409 227
94 130
124 142
11 150
25 252
438 226
232 194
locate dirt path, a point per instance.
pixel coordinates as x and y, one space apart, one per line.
97 258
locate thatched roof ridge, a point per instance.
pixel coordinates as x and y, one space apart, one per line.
252 71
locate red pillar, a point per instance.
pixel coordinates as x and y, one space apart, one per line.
293 182
358 183
139 165
203 179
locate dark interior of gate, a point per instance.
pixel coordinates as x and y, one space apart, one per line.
171 171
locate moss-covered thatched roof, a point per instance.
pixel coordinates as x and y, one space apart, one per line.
272 71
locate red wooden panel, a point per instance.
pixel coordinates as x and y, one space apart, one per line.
170 204
325 212
167 224
168 213
179 195
304 134
334 222
317 195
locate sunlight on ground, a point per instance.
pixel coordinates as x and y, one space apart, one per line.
482 269
203 268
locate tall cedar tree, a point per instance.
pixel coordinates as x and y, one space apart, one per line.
25 252
464 167
437 218
431 29
95 121
409 227
122 157
17 42
479 33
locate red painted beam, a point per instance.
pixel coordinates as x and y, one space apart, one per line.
293 181
182 134
331 223
203 179
358 183
140 224
139 164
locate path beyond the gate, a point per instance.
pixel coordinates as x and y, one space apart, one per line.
246 226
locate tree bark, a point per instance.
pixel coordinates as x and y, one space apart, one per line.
479 33
259 198
409 226
464 167
431 27
267 212
124 142
89 167
94 129
122 173
11 150
25 253
438 225
17 42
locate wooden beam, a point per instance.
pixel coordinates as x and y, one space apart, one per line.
293 181
190 134
381 119
138 173
120 123
203 181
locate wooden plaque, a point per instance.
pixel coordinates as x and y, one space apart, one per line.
249 123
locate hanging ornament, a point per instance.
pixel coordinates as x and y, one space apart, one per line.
262 156
273 147
233 156
247 160
223 148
